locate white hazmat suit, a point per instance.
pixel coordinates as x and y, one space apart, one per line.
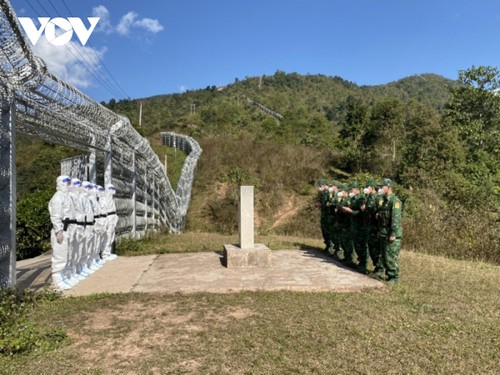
89 264
79 235
61 213
112 220
103 221
95 252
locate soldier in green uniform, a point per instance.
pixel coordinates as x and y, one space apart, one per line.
391 232
358 232
344 219
371 226
335 231
323 197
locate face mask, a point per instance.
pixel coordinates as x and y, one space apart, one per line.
330 189
340 194
366 191
381 191
351 194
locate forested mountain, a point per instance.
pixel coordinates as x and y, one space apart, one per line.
301 98
435 137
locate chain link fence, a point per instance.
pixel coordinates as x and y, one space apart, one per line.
37 103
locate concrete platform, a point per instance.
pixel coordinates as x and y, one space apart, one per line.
297 270
258 256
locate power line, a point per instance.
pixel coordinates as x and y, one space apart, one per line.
87 63
100 60
117 89
80 58
103 79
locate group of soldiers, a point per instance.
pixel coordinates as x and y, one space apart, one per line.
83 217
362 221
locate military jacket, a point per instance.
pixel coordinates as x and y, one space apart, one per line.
344 218
372 204
389 215
323 197
358 215
334 207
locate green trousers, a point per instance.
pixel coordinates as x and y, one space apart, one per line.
373 243
347 245
336 239
326 229
360 246
390 256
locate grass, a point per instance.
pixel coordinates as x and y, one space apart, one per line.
442 319
190 242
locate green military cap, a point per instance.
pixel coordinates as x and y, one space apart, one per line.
371 183
386 182
335 183
344 187
354 185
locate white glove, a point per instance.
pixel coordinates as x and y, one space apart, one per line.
59 237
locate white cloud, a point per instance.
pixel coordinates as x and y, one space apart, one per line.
78 65
128 22
182 89
104 24
150 25
72 63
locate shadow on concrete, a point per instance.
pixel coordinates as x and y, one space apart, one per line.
34 273
222 260
316 252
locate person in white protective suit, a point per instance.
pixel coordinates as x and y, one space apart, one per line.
112 221
61 213
101 196
97 228
89 258
79 235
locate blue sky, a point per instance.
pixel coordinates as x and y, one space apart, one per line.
152 47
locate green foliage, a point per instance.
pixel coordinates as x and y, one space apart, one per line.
18 334
302 100
475 112
239 177
475 108
33 225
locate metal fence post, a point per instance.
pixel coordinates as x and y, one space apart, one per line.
7 193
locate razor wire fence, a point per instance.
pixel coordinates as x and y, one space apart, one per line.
36 103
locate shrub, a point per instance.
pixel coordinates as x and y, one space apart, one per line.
17 333
33 225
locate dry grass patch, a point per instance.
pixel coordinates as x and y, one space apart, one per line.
442 319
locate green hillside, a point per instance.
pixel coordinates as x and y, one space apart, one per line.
300 99
414 130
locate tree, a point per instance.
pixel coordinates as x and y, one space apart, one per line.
475 108
475 111
353 122
431 149
384 136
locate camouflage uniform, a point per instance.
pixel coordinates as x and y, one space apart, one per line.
358 231
336 231
371 228
389 214
323 196
344 219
